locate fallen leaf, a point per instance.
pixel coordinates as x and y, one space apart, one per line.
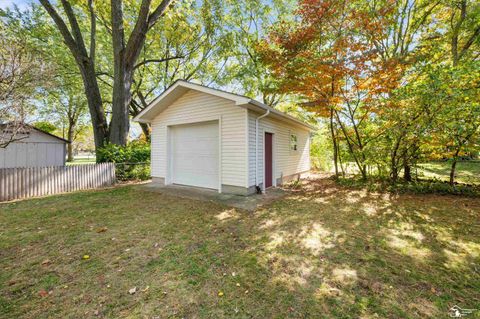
43 293
132 291
102 229
85 257
46 262
220 293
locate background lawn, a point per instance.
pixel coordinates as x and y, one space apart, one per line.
322 252
82 160
466 171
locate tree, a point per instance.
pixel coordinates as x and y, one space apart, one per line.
326 60
249 21
440 90
462 107
45 126
125 54
20 74
378 71
67 107
198 36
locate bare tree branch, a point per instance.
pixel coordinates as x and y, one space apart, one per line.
158 12
157 61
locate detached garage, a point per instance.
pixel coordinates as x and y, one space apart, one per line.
30 147
213 139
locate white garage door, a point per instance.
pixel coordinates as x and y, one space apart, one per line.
195 154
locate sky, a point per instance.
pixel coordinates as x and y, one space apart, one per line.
22 4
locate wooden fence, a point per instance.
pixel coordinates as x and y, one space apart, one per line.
16 183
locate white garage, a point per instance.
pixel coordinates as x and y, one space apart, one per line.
30 147
213 139
195 154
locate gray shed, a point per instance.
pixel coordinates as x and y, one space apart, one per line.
31 147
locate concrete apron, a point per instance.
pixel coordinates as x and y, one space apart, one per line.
249 203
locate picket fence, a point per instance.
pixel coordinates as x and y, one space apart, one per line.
26 182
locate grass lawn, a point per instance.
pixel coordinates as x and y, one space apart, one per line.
323 252
466 171
82 160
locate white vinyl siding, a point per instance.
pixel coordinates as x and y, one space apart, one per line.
195 106
285 161
36 150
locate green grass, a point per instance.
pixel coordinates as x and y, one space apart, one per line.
321 252
82 160
467 172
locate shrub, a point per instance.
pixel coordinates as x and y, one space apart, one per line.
134 152
321 150
132 161
416 187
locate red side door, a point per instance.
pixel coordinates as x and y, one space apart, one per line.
268 159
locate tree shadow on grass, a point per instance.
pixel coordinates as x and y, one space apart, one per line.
362 253
323 251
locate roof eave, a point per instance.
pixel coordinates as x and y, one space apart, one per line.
282 114
239 100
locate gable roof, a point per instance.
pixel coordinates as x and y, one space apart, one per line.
180 87
26 127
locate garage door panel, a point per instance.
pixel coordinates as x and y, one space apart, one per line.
195 154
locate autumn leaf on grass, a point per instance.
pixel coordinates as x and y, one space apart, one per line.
85 257
220 293
46 262
43 293
102 229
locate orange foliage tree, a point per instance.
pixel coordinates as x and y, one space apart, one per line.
330 58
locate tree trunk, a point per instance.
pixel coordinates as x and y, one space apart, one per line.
364 172
394 160
70 136
73 38
94 100
454 165
120 123
394 167
334 140
146 130
122 79
360 166
452 171
407 172
394 174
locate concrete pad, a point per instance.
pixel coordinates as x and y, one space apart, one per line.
249 203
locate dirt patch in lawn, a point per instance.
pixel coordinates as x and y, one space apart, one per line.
322 251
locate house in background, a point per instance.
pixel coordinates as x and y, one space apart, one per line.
31 147
209 138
